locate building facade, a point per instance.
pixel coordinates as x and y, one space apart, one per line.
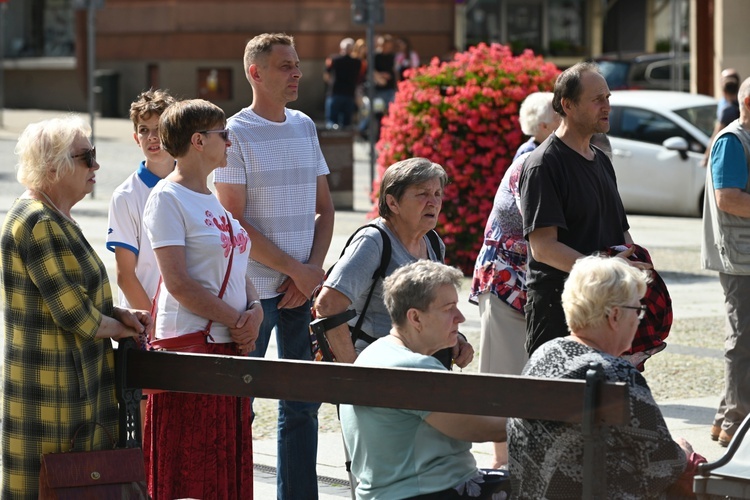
194 48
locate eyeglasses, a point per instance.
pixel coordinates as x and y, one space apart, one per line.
89 156
223 133
641 310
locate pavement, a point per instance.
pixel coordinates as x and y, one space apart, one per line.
693 295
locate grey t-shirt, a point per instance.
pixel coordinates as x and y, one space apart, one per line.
352 276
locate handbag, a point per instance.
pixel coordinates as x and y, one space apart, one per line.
196 342
93 475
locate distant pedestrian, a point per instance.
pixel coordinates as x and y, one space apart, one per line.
384 74
342 76
406 57
728 108
726 230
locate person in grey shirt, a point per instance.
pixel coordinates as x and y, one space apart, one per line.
409 203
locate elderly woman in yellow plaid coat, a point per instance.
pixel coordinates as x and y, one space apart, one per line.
58 313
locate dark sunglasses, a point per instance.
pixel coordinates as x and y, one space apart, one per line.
223 133
88 157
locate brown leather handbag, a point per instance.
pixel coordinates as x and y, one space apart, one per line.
95 475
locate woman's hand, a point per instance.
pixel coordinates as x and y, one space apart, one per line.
463 352
137 323
245 331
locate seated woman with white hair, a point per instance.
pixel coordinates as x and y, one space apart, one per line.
399 454
601 300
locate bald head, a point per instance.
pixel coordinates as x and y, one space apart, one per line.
743 96
729 74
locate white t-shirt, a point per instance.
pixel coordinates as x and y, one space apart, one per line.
177 216
126 228
279 163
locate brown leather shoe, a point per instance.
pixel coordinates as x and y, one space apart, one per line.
715 431
724 438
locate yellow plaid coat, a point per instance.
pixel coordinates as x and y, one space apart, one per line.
56 374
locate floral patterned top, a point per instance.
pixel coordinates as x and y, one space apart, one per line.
501 264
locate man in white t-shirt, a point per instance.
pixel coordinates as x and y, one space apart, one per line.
275 185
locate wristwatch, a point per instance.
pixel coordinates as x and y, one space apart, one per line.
252 303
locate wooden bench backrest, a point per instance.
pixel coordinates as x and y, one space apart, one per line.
500 395
592 402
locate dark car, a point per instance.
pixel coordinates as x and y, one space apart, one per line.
642 71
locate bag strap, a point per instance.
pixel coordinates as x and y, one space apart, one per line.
385 259
75 434
207 329
228 271
435 244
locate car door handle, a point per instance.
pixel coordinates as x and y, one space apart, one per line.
621 152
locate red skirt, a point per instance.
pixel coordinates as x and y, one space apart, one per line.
199 446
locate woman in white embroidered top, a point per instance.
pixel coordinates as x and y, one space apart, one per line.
196 445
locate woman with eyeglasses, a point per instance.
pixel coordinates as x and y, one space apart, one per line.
58 314
198 445
601 301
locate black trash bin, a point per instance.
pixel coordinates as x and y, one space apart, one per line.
108 93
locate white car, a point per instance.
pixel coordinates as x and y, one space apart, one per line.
658 140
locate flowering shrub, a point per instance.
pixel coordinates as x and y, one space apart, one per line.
463 114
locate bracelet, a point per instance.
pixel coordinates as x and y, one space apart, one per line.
252 303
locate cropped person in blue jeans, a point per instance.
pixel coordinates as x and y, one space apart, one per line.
275 185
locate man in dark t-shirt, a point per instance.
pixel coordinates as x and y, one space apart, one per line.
569 200
342 75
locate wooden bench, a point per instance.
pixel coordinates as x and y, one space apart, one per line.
593 402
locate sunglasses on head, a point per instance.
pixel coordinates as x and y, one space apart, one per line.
88 157
223 133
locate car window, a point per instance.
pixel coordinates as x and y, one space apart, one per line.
647 126
662 71
616 73
702 117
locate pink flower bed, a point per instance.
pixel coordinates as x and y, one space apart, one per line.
463 114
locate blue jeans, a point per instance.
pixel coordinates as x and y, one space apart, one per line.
297 450
339 110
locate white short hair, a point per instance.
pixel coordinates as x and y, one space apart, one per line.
595 285
346 44
44 150
535 110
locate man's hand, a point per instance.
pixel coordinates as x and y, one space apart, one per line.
297 289
292 296
639 265
463 352
306 278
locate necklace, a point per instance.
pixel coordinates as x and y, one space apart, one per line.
57 209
